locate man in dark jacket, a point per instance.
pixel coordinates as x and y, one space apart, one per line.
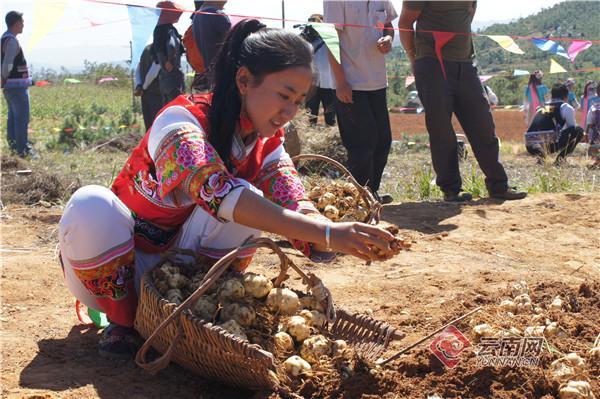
15 83
146 86
168 49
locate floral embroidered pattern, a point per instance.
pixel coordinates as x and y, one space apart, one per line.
110 279
280 183
210 185
181 152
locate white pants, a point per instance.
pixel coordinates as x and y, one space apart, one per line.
97 228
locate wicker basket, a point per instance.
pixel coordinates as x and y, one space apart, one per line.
366 195
213 353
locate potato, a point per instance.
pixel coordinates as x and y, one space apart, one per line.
350 189
339 347
361 213
313 318
315 192
576 390
174 295
243 315
331 212
283 300
296 326
567 367
519 289
161 286
295 365
508 306
205 308
551 329
178 281
326 199
534 331
313 348
556 305
168 268
283 342
231 290
483 330
257 285
523 302
595 354
232 327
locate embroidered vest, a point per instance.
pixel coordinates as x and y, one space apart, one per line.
161 222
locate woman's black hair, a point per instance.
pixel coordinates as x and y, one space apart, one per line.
263 51
534 79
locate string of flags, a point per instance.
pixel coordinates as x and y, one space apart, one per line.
143 19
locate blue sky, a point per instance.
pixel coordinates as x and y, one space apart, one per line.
110 42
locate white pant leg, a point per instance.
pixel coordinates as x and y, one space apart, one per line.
94 227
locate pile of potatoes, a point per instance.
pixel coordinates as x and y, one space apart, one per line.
339 201
289 324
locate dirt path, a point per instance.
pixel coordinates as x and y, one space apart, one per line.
460 254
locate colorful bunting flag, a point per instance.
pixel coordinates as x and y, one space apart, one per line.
520 72
555 67
507 43
409 80
143 20
329 35
45 17
576 47
441 38
550 46
484 78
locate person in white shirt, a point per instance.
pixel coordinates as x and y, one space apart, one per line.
324 89
558 116
366 33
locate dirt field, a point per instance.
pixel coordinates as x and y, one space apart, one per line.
510 124
462 257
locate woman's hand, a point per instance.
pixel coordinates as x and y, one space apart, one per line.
361 240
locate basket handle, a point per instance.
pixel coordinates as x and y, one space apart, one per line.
365 193
211 277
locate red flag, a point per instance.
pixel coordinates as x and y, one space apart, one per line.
441 38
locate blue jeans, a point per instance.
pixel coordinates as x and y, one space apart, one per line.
17 99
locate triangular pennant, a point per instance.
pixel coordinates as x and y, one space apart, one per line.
576 47
550 46
142 20
409 80
329 35
441 38
507 43
45 18
555 67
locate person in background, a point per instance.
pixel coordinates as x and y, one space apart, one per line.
168 49
572 100
210 28
210 173
15 84
588 99
324 89
146 86
535 96
361 86
491 97
593 131
459 92
557 115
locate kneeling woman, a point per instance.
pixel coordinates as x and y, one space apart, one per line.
209 173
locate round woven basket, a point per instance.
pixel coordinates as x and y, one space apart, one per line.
373 206
212 352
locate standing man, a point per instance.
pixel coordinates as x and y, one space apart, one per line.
459 92
146 86
210 27
168 50
323 90
361 84
15 83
